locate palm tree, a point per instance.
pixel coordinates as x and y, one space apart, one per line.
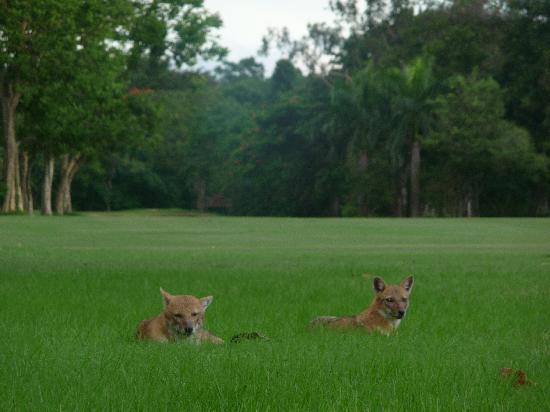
397 104
413 118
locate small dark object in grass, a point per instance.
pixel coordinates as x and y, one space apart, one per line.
519 377
248 336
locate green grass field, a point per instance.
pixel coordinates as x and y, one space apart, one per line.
73 289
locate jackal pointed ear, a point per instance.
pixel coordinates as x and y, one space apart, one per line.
206 301
407 283
165 296
378 284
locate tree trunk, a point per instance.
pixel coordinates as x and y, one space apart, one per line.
69 167
20 203
9 100
68 197
475 201
468 202
470 207
415 180
108 192
543 206
28 202
335 207
111 172
362 164
201 195
401 196
62 187
68 206
47 186
362 205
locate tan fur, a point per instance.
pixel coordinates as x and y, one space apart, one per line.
181 319
384 313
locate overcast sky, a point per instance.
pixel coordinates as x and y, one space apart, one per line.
245 22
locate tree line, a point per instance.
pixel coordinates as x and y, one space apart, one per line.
396 108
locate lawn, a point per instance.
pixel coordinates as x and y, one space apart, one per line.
73 289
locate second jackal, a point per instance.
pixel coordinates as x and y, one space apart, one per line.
384 313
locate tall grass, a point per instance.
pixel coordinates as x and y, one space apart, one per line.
73 289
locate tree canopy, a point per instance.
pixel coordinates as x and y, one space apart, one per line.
397 108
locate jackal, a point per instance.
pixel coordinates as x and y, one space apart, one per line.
384 313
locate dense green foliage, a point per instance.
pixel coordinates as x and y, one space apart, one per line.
397 108
70 82
72 291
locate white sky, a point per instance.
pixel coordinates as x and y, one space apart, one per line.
245 22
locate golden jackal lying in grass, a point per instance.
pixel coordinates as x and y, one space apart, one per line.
384 313
182 318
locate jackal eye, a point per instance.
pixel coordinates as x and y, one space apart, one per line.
177 315
389 300
404 299
194 314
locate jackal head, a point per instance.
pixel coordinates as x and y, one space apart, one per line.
184 313
392 300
